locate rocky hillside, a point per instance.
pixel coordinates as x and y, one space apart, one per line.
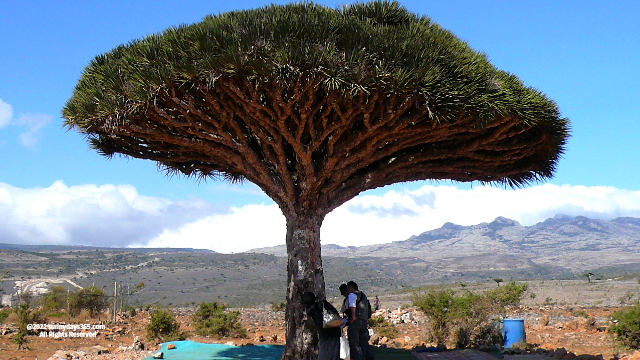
576 243
558 248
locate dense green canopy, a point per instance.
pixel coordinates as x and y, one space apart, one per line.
372 48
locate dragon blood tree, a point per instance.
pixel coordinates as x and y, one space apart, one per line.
315 105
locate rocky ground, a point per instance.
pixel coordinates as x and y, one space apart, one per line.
568 331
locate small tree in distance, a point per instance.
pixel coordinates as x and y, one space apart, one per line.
498 281
92 299
315 105
55 299
588 276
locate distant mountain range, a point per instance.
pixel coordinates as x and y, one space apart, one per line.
574 243
559 248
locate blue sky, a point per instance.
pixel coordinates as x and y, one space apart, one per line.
582 54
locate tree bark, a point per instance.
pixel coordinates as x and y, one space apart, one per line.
304 273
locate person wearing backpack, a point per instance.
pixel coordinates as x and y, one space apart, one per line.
358 313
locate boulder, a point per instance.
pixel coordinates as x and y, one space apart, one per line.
560 353
158 355
572 325
171 346
137 344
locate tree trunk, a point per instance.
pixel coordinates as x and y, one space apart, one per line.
304 273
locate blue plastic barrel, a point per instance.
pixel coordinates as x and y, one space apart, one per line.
513 332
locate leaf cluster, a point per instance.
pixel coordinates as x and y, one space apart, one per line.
354 48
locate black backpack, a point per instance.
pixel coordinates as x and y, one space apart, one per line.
363 306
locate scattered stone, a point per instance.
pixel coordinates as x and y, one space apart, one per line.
100 350
171 346
158 355
59 355
137 344
383 341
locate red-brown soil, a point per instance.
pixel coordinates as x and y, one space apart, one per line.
578 330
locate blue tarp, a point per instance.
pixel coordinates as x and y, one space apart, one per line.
190 350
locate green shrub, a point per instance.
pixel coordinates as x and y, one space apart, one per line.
468 318
55 299
27 316
548 301
508 295
276 307
436 306
164 327
388 330
626 327
90 298
384 327
56 315
4 313
375 321
580 313
214 320
468 312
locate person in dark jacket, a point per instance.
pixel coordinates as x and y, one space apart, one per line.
344 291
358 314
329 338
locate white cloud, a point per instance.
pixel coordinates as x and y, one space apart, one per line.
111 215
241 229
34 123
106 215
6 113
